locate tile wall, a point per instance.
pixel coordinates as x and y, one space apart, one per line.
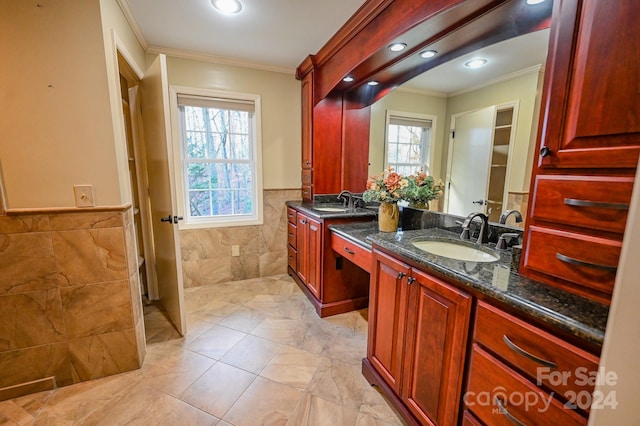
518 201
70 306
206 253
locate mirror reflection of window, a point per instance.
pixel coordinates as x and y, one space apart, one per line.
408 143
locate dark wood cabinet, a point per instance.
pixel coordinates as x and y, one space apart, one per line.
309 246
589 142
331 283
591 111
418 330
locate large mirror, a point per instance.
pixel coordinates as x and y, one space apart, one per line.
473 128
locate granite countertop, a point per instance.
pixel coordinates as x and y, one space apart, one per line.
312 209
576 315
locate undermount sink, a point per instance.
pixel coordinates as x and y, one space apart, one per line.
330 209
454 250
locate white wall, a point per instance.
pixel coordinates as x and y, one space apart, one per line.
281 122
621 348
404 101
54 99
522 89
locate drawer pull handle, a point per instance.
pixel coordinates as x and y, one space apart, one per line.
506 412
603 205
349 251
572 261
526 354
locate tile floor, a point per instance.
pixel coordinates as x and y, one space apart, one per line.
256 353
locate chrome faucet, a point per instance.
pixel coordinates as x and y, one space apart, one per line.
347 199
483 237
506 214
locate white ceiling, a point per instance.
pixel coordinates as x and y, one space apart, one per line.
271 34
278 34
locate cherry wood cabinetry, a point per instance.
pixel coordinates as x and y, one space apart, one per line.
418 328
309 246
333 285
512 358
589 142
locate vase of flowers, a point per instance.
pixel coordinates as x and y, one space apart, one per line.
386 188
389 187
422 188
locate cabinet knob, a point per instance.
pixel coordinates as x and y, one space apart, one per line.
545 151
411 280
401 275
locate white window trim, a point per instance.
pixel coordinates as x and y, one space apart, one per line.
223 221
432 133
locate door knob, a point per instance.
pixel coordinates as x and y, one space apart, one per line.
480 202
167 219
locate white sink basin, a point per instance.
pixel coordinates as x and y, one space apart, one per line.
456 251
330 209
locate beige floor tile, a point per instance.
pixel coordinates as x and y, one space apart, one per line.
251 353
374 404
367 420
216 341
319 412
282 330
13 414
264 403
244 319
293 367
339 382
217 389
172 369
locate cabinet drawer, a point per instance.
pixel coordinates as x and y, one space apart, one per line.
306 177
539 355
292 215
292 234
468 419
351 251
581 259
307 194
497 395
588 201
292 257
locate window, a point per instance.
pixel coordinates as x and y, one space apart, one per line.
220 159
408 142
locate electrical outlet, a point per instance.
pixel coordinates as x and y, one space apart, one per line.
235 251
84 195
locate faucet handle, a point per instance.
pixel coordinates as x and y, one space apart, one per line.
502 240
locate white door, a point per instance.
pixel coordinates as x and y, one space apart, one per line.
469 162
162 194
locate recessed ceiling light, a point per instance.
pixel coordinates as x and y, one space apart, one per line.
348 79
476 63
227 6
373 83
535 1
397 47
428 54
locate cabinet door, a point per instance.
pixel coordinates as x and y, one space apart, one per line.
387 318
314 257
591 110
437 332
302 245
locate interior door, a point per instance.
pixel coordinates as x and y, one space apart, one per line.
162 195
469 162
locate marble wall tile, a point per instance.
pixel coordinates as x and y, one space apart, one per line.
31 319
206 253
86 220
103 355
24 223
97 308
25 365
27 262
90 256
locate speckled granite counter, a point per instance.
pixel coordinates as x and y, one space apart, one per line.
312 209
576 315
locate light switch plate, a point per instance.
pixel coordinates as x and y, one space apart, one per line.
235 251
84 195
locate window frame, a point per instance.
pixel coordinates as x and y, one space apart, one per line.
430 140
179 160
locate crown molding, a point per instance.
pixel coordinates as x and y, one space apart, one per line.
507 77
222 60
126 10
